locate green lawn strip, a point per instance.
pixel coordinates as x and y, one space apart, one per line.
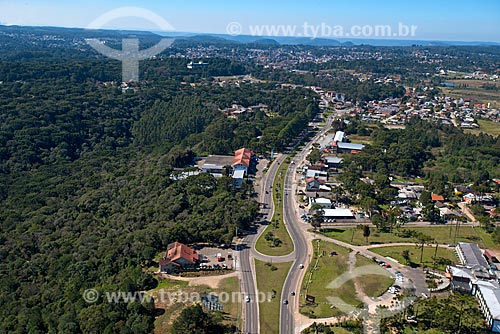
286 246
328 268
270 278
165 298
232 308
395 253
442 234
373 285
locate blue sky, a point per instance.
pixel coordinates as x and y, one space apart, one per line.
458 20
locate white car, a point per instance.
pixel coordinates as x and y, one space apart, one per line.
301 266
247 299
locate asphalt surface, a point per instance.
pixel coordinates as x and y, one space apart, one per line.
249 288
292 221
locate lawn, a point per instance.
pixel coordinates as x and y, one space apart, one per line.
328 268
360 139
270 278
442 234
395 253
487 127
286 246
373 285
172 308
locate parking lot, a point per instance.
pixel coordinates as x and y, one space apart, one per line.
210 257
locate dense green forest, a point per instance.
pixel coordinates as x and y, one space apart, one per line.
86 194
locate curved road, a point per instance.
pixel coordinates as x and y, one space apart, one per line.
294 278
248 280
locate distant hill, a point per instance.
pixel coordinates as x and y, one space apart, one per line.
224 39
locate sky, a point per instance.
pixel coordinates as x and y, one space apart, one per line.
449 20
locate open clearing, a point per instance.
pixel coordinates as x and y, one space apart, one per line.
166 300
429 251
442 234
486 126
270 279
328 268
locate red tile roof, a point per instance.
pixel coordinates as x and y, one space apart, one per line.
177 251
435 197
242 157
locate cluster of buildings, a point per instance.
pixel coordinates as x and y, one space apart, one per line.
239 165
318 184
446 110
478 274
237 110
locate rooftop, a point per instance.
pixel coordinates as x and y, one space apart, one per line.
472 255
218 161
322 200
435 197
491 297
334 160
239 174
338 213
339 136
176 251
350 146
242 157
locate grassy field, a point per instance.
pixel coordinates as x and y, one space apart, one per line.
286 247
395 253
442 234
328 268
360 139
473 91
231 311
373 285
269 280
486 126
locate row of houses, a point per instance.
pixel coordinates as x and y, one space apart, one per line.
478 274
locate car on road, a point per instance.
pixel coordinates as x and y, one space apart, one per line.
285 302
292 293
247 299
301 266
387 265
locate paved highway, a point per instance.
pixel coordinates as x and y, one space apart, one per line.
248 281
295 275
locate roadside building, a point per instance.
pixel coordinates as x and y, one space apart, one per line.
333 162
242 160
317 174
325 203
179 257
217 164
338 214
238 176
341 144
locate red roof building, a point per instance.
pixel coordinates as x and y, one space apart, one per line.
178 256
242 157
436 198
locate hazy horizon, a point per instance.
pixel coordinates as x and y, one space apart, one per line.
444 21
